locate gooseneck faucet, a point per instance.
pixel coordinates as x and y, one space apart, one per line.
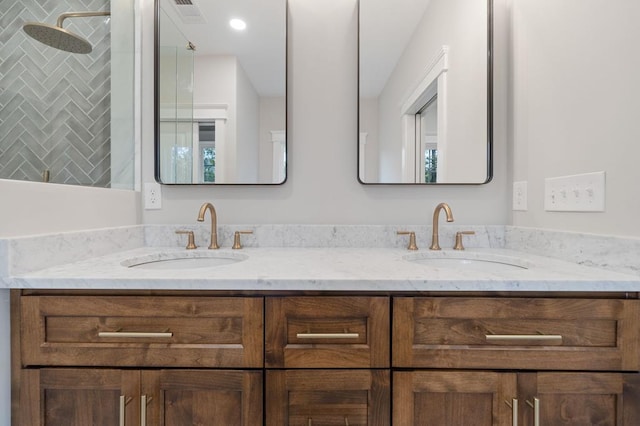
214 223
435 244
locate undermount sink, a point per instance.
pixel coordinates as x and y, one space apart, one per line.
183 260
469 261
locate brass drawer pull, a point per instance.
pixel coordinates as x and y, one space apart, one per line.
133 334
516 337
328 335
123 402
536 411
143 410
514 411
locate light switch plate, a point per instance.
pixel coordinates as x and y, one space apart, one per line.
576 193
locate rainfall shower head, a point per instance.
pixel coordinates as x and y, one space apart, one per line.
58 37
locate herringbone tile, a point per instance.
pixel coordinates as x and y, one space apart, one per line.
55 106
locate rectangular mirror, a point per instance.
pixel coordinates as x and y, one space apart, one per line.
221 92
425 92
67 110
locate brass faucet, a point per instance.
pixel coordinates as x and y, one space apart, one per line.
435 245
214 223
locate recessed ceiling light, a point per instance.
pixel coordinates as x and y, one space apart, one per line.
238 24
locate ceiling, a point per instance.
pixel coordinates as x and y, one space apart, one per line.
385 28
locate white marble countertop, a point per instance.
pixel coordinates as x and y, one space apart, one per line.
330 269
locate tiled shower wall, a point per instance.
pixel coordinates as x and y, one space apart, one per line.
54 106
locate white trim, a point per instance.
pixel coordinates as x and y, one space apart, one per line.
204 112
278 139
433 82
362 153
438 65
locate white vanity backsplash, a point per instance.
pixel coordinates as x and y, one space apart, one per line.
602 251
26 254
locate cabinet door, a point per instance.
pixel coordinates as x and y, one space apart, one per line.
454 398
328 397
202 397
577 399
79 397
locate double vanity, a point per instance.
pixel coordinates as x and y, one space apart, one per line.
305 326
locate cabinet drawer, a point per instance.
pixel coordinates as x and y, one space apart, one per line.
328 397
542 334
327 332
142 331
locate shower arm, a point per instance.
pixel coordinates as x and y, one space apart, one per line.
64 16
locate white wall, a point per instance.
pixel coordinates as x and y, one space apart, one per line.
322 186
30 208
576 100
248 121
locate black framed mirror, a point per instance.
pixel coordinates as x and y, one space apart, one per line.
425 92
220 94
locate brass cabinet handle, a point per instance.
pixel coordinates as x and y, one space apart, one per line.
144 400
516 337
133 334
536 411
514 411
328 335
143 410
122 408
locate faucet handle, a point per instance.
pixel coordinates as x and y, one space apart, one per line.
458 245
236 239
412 239
191 244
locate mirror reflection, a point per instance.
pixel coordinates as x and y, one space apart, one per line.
425 92
67 92
221 92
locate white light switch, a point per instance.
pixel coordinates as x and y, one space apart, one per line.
576 193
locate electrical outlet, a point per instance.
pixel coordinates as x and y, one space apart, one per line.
576 193
520 196
152 196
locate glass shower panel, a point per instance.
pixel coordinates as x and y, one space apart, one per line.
176 104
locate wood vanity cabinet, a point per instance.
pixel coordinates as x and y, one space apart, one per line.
565 361
139 360
107 397
406 360
484 398
328 397
327 360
